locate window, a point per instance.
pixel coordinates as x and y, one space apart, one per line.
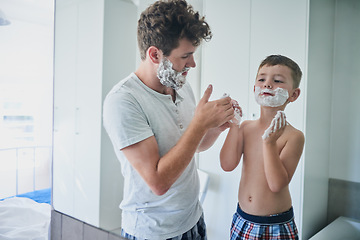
26 97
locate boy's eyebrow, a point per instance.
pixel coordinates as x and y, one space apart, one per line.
276 75
261 74
280 75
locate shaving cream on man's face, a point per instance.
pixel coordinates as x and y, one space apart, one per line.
275 98
170 77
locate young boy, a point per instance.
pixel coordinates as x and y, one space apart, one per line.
271 149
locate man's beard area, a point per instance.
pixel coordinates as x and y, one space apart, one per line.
170 77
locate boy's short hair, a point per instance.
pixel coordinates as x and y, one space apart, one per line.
165 22
273 60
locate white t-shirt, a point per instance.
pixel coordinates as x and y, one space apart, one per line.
133 112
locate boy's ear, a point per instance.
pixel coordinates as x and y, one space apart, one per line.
154 54
294 95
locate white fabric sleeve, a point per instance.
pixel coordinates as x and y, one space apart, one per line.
125 121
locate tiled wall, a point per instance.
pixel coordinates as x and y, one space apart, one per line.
343 199
64 227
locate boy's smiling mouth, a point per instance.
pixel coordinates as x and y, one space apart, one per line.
267 92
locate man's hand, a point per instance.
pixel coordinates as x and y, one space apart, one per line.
212 114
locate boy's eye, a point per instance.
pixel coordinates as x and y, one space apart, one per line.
261 80
278 81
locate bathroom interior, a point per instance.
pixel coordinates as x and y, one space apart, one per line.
69 53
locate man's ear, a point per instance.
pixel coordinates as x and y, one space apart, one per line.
154 54
294 95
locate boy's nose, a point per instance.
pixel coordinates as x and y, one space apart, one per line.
267 84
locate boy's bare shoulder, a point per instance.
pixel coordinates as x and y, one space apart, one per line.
295 134
247 123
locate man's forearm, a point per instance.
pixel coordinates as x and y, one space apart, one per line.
173 163
209 139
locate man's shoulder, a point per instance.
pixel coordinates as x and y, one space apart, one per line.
123 85
124 89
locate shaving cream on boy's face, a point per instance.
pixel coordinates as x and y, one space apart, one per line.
275 98
170 77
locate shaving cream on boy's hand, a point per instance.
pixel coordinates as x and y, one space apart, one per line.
275 124
237 112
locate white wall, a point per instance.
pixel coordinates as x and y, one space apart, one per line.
333 116
95 46
77 108
318 112
120 44
345 116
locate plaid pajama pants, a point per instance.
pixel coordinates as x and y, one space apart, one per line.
279 226
198 232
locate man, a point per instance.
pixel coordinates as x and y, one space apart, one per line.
156 127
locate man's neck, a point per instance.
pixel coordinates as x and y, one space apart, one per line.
148 77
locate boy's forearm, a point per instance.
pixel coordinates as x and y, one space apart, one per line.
230 153
275 171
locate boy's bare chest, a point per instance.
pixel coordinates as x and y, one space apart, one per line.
253 147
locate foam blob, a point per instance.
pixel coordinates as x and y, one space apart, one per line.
277 98
237 113
170 77
275 124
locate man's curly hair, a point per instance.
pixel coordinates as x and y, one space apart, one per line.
166 22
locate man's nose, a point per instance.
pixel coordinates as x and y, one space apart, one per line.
191 62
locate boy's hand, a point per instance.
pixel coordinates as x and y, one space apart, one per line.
276 127
237 110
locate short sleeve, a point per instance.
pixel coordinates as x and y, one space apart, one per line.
124 120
